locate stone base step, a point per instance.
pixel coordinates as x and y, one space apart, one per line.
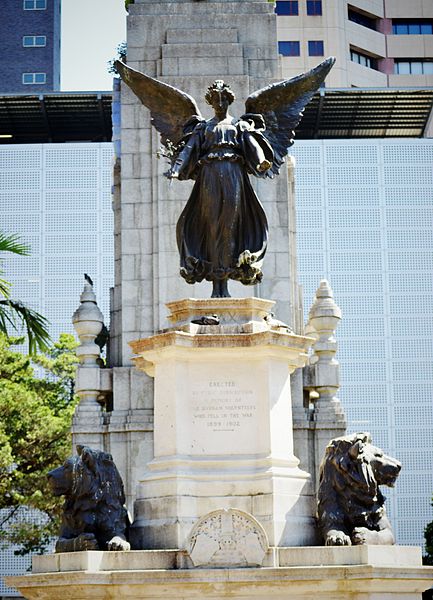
361 573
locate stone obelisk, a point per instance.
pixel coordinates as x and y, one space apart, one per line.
188 44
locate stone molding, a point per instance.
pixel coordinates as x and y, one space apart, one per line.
370 572
238 310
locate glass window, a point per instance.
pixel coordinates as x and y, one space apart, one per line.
314 7
35 4
315 48
402 67
34 78
287 7
413 67
416 68
363 59
34 41
361 19
424 27
289 48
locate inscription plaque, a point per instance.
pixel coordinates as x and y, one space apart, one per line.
224 416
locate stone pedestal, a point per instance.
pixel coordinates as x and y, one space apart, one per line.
343 573
223 425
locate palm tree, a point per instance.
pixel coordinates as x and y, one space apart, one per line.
13 313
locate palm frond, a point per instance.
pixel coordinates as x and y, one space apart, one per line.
15 314
5 287
11 243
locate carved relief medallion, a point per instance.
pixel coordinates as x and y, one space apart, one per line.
227 538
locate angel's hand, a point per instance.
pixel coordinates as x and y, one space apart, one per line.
264 166
172 174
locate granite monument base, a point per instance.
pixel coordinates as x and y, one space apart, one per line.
223 433
339 573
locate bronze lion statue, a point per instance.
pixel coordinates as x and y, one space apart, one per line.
350 504
94 516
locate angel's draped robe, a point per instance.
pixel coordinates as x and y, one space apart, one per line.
222 232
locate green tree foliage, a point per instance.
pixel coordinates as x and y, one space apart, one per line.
428 536
14 315
121 53
427 559
35 419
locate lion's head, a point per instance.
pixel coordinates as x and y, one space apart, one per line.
94 498
349 496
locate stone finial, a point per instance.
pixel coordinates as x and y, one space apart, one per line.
88 322
324 315
321 376
309 331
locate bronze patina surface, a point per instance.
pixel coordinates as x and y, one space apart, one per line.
222 232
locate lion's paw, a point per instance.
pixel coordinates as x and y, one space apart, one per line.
118 543
334 537
362 535
85 541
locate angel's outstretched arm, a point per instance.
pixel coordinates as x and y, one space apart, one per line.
255 150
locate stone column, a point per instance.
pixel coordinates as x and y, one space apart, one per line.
322 376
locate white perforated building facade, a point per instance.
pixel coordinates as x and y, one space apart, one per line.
57 197
365 222
365 217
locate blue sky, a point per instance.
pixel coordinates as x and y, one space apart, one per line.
91 31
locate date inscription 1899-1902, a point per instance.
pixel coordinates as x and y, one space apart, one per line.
222 232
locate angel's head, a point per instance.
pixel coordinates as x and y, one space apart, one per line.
219 96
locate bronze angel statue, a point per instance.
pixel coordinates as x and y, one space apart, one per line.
222 232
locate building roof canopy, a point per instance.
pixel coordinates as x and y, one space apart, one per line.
86 116
56 117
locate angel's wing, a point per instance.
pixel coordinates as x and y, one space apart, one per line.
282 105
169 107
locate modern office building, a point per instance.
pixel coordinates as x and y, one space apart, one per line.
365 222
30 34
377 43
57 197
